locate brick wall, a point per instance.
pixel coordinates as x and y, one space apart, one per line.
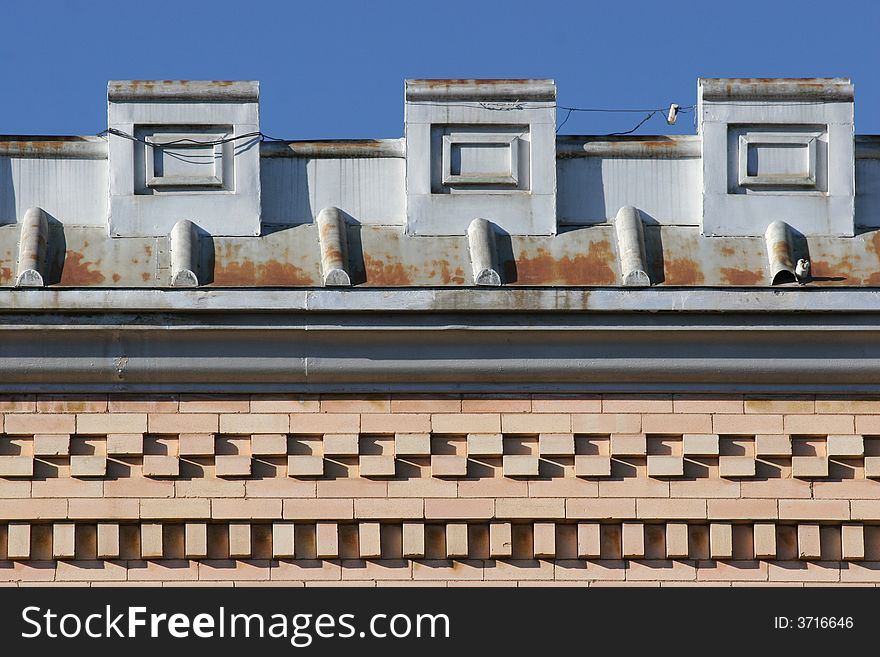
440 490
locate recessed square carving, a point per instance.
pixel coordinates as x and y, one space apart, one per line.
480 159
184 160
773 159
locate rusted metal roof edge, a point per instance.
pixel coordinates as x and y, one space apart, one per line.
191 90
474 300
480 90
341 148
792 89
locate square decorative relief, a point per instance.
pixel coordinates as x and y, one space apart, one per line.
776 159
183 160
480 159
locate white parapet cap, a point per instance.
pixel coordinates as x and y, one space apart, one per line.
241 91
789 89
484 90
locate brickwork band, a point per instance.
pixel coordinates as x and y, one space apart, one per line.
439 490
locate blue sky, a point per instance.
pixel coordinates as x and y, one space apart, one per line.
336 69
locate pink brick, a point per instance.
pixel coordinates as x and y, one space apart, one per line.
628 444
395 422
742 509
600 509
18 404
318 509
71 403
413 540
425 404
456 540
237 509
466 423
606 423
794 571
771 406
255 423
344 404
125 444
312 423
182 423
369 540
637 404
161 466
818 424
530 508
566 404
677 540
852 539
51 444
488 404
284 539
814 510
284 404
747 424
391 509
676 423
696 403
544 540
590 465
90 423
269 444
661 570
536 423
213 404
127 404
500 540
721 540
31 424
196 444
176 509
668 509
459 509
448 466
633 540
103 509
808 541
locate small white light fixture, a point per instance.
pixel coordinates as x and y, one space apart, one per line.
672 114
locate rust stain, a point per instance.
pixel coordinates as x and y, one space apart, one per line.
590 268
734 276
269 273
148 250
5 274
728 251
843 270
439 83
79 272
682 272
381 273
116 277
146 276
447 275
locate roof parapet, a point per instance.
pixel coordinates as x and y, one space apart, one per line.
239 91
839 90
483 90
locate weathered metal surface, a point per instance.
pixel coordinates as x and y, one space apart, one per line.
793 89
510 90
86 257
645 147
32 249
583 257
51 147
333 238
335 148
780 250
629 229
193 90
288 258
483 252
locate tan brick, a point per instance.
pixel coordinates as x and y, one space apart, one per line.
556 444
379 465
196 444
232 465
676 423
63 540
589 538
520 465
456 540
629 444
535 423
318 509
18 540
156 465
500 540
742 509
51 444
303 465
239 540
412 444
255 423
736 466
283 539
637 404
765 540
809 544
391 509
327 540
669 509
600 509
107 540
809 466
588 465
773 445
17 423
485 444
544 540
130 404
867 424
819 424
348 404
341 444
395 423
459 509
665 466
175 509
769 406
50 509
151 540
269 444
845 445
872 467
852 540
213 404
448 466
125 444
633 540
16 466
425 404
792 571
699 403
747 424
247 509
677 540
700 444
466 423
284 404
720 540
88 465
814 509
90 423
195 540
325 423
181 423
530 508
864 510
566 404
369 540
413 540
606 423
18 404
496 404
